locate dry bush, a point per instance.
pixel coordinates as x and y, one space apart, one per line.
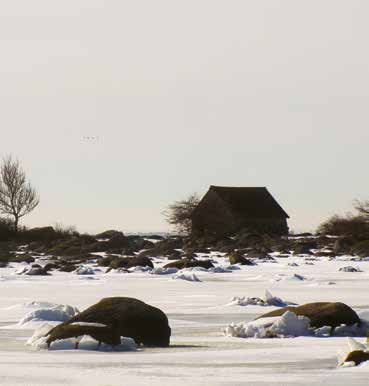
348 225
179 213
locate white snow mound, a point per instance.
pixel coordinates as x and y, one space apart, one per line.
56 313
186 276
84 271
287 325
268 300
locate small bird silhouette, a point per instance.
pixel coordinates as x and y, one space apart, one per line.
90 138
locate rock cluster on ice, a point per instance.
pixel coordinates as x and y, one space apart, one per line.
139 269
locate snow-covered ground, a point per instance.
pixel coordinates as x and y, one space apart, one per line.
199 311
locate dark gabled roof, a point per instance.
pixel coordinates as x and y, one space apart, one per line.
250 201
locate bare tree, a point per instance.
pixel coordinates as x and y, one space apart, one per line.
179 213
362 207
17 196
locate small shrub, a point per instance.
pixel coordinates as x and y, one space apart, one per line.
65 231
361 248
348 225
6 229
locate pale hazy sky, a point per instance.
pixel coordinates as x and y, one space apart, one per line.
182 95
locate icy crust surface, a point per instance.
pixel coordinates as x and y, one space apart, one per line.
45 311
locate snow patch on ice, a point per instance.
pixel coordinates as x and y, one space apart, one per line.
220 269
84 271
164 271
293 277
268 300
139 269
186 276
194 269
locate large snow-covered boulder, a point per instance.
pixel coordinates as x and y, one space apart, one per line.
321 314
114 317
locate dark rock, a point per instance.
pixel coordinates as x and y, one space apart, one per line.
190 263
164 248
117 242
349 268
321 314
304 248
36 270
237 258
23 258
357 357
50 266
105 261
175 255
138 242
343 245
361 248
67 267
129 262
258 255
121 316
40 234
107 234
